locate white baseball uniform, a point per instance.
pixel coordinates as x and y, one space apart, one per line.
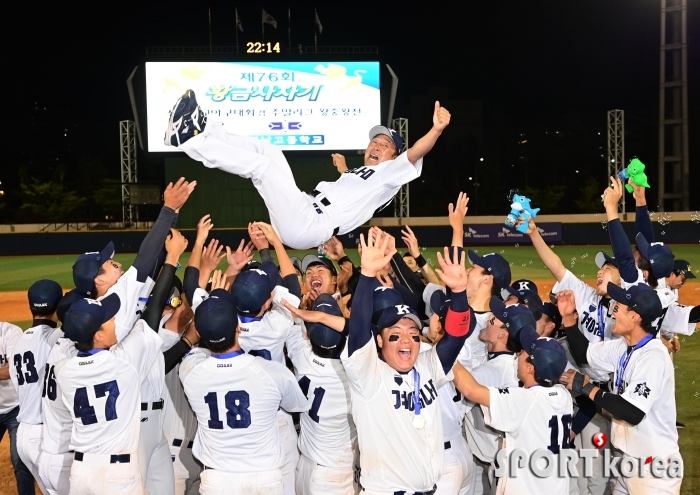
265 337
102 392
475 352
9 335
179 423
302 221
56 459
648 383
533 418
133 296
394 454
458 470
29 358
328 438
235 397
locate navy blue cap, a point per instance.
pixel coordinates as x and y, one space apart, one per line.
641 298
85 317
526 292
251 289
394 135
313 259
682 267
439 303
552 311
382 298
87 265
321 335
546 354
513 316
66 302
602 258
495 264
391 315
659 255
44 296
216 318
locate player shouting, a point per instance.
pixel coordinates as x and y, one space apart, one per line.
305 220
403 451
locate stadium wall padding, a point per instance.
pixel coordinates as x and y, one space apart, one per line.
129 241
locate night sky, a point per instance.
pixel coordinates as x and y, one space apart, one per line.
537 67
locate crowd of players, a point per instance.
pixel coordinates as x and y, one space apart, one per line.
316 376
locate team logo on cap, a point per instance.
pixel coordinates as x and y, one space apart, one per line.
628 296
402 309
523 286
93 301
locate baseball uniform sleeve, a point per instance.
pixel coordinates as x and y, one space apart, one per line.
191 360
642 222
677 320
133 296
12 334
296 343
140 348
401 171
584 294
293 399
431 360
643 383
604 355
509 408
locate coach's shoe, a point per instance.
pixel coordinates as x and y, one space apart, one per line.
186 120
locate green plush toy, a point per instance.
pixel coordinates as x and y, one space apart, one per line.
634 171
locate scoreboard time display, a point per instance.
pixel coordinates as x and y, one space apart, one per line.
262 47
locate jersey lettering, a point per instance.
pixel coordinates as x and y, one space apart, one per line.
31 375
237 409
428 394
554 433
363 172
81 403
49 389
589 323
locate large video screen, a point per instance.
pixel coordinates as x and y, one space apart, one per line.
294 105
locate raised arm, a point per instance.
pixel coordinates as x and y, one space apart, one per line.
411 241
641 219
456 214
548 257
469 387
238 259
622 249
441 118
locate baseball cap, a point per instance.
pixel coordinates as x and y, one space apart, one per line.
391 315
682 267
395 136
495 264
85 317
66 301
251 289
44 296
659 255
321 335
312 259
552 311
382 298
526 292
513 316
87 265
641 298
439 303
216 318
602 258
297 263
546 354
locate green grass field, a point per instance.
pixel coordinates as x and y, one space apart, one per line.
19 272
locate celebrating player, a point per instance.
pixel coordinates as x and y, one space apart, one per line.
404 451
305 220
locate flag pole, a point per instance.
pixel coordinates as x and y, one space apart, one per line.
315 33
263 25
289 15
210 50
236 30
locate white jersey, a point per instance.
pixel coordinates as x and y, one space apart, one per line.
592 310
133 296
236 400
9 335
58 422
102 392
475 352
394 454
451 407
675 319
532 419
29 359
359 192
328 435
649 384
501 370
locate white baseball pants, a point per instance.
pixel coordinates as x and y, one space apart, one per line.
313 479
457 475
96 475
289 438
300 222
216 482
154 455
648 484
28 447
54 471
187 469
598 483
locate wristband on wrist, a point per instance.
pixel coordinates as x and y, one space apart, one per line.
420 261
344 259
187 341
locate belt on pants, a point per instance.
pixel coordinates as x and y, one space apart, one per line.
430 492
325 202
113 459
154 405
177 442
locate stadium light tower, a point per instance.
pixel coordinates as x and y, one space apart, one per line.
127 139
401 205
616 146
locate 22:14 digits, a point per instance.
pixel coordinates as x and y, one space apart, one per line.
257 47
